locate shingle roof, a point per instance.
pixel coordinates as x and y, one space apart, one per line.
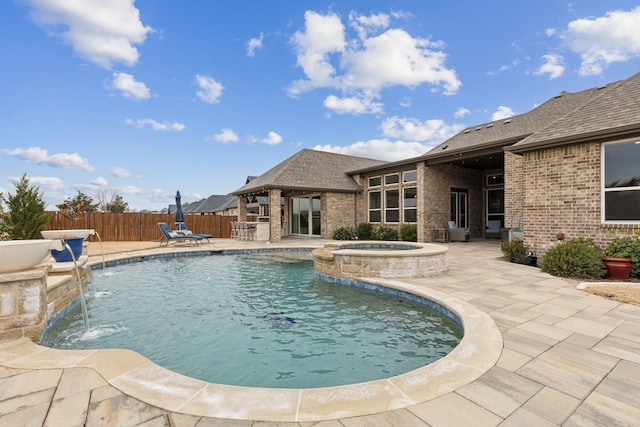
508 131
310 170
614 111
210 204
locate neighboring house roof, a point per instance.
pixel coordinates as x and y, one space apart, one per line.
212 203
310 170
613 112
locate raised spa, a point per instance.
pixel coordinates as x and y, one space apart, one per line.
257 320
386 260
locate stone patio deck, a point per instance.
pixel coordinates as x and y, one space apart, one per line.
569 358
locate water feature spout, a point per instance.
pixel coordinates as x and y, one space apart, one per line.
83 301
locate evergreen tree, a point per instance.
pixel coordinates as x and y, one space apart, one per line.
117 204
26 216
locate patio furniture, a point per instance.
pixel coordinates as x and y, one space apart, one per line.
170 235
458 234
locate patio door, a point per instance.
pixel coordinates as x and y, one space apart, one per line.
305 216
460 207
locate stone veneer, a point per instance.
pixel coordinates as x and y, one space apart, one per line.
30 298
358 260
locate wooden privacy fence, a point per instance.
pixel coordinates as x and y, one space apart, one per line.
140 226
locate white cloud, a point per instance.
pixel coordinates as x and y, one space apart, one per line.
119 172
60 160
254 44
553 66
226 136
104 32
352 105
601 41
461 112
100 182
155 125
209 90
502 113
129 87
362 66
433 131
45 183
381 149
272 139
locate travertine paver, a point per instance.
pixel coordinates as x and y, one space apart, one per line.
569 358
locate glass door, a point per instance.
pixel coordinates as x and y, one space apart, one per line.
459 207
305 216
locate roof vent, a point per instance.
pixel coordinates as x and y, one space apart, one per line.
490 125
507 121
601 87
467 130
479 128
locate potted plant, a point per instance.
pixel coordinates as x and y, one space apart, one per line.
620 257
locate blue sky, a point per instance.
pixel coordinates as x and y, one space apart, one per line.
148 97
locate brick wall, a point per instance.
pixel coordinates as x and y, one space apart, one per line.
513 186
338 210
562 193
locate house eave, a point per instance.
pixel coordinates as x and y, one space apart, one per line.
603 135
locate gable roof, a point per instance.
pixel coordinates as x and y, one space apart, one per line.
212 203
310 170
613 112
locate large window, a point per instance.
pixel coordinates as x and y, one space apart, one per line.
393 198
375 207
410 204
392 206
621 181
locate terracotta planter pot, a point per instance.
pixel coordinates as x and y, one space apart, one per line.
617 268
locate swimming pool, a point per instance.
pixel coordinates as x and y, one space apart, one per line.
262 328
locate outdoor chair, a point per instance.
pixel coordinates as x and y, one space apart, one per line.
182 230
170 235
457 234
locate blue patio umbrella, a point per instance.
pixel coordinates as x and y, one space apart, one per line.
179 215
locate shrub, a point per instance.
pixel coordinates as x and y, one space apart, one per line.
346 232
626 247
512 248
409 232
578 258
365 231
382 232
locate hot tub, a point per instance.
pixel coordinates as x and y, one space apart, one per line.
376 259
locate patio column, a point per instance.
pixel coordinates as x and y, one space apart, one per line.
275 224
424 233
242 208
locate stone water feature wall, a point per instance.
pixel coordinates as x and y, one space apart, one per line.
23 304
28 299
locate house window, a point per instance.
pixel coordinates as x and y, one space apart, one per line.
375 181
621 181
391 179
410 176
410 204
375 207
392 206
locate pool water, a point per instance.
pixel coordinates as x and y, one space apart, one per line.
254 320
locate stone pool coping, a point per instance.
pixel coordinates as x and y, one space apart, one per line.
138 377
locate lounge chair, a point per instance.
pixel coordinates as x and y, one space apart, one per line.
170 235
183 230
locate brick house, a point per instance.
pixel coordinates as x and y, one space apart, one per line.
570 165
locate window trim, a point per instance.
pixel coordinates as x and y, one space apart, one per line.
374 177
369 209
387 209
